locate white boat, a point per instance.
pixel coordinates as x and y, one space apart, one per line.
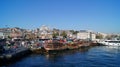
111 42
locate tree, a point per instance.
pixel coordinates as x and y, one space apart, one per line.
74 32
64 34
55 34
108 37
99 36
118 37
9 37
114 36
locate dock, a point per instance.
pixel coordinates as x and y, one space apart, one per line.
13 54
17 53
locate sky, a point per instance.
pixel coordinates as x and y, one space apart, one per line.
96 15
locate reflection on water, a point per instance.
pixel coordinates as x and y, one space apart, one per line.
100 56
58 54
112 49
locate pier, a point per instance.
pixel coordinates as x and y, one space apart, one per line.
12 55
19 50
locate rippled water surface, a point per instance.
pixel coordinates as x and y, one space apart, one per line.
100 56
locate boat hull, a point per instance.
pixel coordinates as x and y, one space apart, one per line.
52 47
111 43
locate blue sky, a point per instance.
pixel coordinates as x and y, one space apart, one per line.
96 15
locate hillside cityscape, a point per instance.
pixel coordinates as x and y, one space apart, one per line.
59 33
45 32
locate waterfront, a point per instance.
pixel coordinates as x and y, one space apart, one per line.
99 56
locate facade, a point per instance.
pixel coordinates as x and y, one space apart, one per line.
45 32
87 35
5 32
1 35
16 33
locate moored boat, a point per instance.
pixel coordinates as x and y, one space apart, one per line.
54 46
110 42
36 47
72 45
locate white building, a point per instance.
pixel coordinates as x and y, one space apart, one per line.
1 35
88 35
45 32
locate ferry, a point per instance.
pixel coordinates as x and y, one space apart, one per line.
72 45
111 42
54 46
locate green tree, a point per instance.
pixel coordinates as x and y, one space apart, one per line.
118 37
114 36
9 37
74 32
64 34
99 36
108 37
55 34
